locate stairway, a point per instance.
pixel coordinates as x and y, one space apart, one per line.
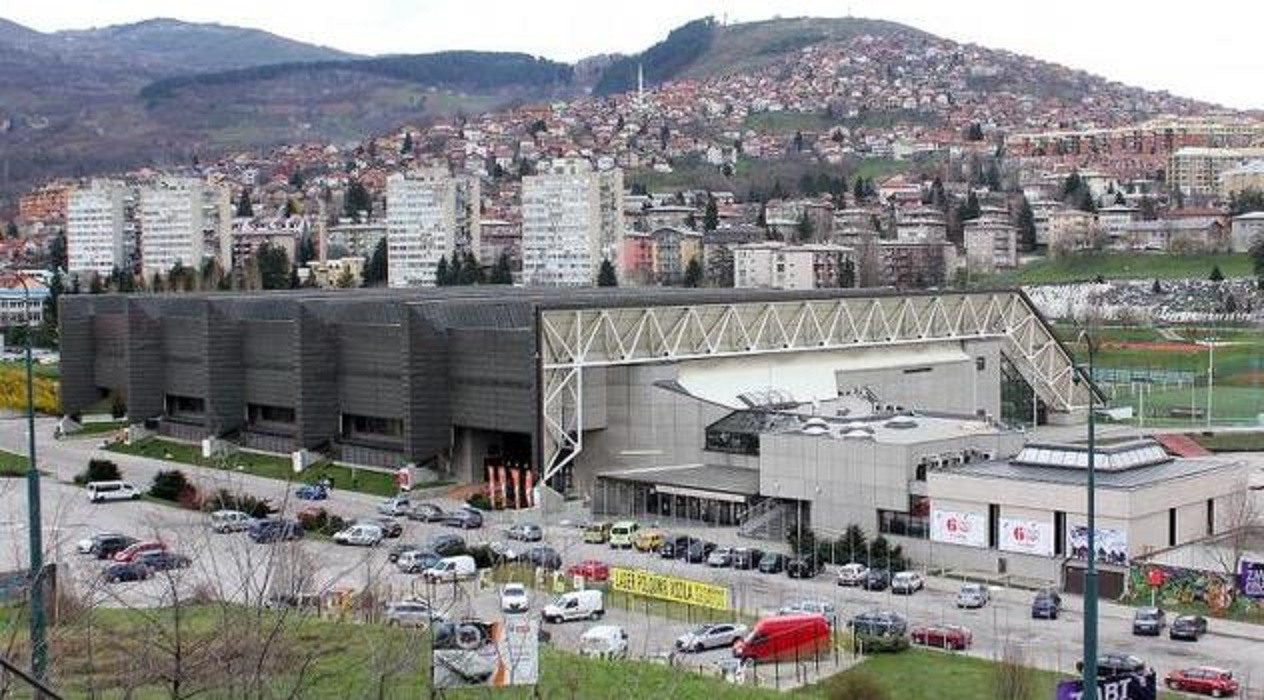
770 519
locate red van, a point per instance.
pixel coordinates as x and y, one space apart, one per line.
785 637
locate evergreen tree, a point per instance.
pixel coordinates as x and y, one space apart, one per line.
94 284
375 270
443 277
858 189
798 141
938 198
693 273
274 267
847 274
11 230
357 200
1257 258
1086 202
48 327
975 132
407 146
1120 200
291 208
502 273
1216 274
296 180
345 280
244 208
1025 222
471 271
992 177
778 192
970 209
57 252
762 220
606 276
804 227
304 251
155 284
1157 287
711 219
1245 201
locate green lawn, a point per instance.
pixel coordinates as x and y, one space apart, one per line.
269 466
100 428
39 370
13 465
1231 442
1079 268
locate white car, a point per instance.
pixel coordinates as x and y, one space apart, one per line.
908 582
852 574
720 556
399 505
88 545
973 595
101 491
514 598
824 608
225 521
712 636
360 535
604 642
412 612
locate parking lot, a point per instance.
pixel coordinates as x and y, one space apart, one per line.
234 568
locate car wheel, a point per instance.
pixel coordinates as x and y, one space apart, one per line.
1217 693
697 648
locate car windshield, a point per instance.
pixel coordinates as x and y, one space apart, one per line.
1147 614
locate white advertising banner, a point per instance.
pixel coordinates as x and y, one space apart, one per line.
1026 536
955 527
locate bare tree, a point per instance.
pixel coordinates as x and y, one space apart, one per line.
1012 678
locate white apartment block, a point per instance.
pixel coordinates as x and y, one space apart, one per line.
991 243
171 224
572 220
94 229
1197 171
775 265
429 215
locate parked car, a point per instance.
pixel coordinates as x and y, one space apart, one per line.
447 545
226 521
544 557
954 637
274 530
109 545
454 568
162 560
125 571
502 551
525 532
1114 663
102 491
802 567
415 561
514 598
746 558
412 612
590 569
675 547
426 513
575 605
648 540
604 642
359 535
1187 627
876 580
397 505
1149 621
712 636
698 551
907 582
138 548
880 630
597 533
823 608
973 595
784 637
720 557
1047 604
394 553
622 533
772 563
464 518
311 492
852 574
390 527
1204 680
89 545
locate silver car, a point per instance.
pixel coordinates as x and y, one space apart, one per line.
714 636
410 613
973 595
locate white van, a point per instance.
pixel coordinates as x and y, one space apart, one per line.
101 491
452 569
360 535
576 605
604 642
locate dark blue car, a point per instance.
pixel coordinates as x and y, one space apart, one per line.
275 530
129 571
311 492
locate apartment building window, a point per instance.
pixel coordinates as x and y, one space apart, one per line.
1171 527
357 426
1211 516
190 406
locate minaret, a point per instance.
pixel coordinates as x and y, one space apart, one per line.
322 235
640 85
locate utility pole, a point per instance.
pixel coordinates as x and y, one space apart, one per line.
39 645
1211 374
1090 572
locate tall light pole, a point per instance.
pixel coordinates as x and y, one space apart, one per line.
39 645
1090 571
1211 373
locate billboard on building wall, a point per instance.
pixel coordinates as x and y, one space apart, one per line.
1026 536
955 527
1112 544
1251 578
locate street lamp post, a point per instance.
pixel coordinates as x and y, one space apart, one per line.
39 646
1090 571
1211 373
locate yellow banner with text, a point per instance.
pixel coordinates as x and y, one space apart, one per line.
677 590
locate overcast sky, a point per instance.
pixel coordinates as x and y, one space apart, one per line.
1209 50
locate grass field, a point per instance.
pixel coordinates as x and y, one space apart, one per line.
1080 268
13 465
269 466
1231 442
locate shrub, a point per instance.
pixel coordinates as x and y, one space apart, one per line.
321 521
484 557
855 686
169 485
479 501
99 470
223 499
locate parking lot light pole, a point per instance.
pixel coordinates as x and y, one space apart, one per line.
39 645
1090 571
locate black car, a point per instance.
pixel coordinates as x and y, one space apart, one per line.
1188 627
274 530
1149 621
391 527
447 545
698 551
464 518
746 557
544 557
129 571
876 580
675 547
772 563
1114 664
162 560
1047 604
802 567
426 513
107 547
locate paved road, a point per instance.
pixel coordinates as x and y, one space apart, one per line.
238 569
